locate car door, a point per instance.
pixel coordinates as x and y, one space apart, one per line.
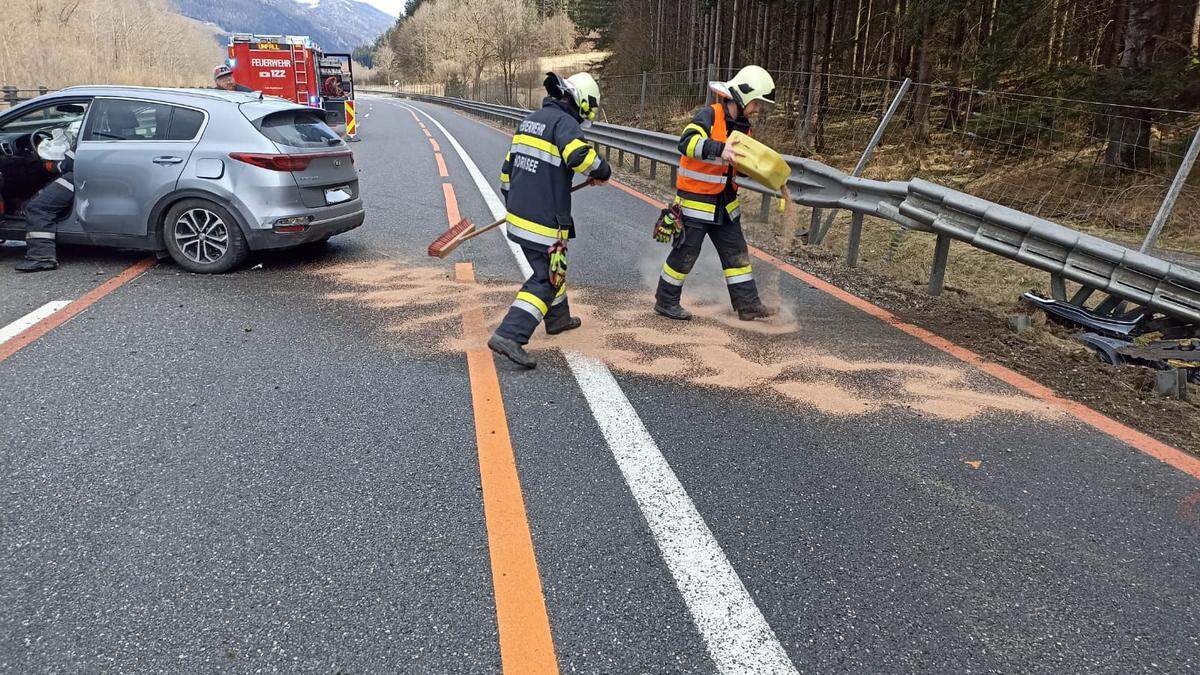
130 155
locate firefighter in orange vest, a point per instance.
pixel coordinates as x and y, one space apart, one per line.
707 196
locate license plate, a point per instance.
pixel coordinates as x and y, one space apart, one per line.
338 195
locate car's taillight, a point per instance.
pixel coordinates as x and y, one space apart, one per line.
286 162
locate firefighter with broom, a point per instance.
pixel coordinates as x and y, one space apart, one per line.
546 152
706 201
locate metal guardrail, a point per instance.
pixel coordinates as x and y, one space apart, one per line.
1125 275
11 95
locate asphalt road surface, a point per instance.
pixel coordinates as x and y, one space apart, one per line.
314 465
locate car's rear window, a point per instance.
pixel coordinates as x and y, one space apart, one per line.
299 129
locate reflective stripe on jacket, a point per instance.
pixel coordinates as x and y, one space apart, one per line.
701 171
546 152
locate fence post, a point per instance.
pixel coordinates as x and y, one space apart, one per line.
1164 211
42 90
10 94
941 256
818 235
642 103
711 75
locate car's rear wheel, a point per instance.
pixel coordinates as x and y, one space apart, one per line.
203 237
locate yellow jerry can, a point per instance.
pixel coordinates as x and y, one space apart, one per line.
759 162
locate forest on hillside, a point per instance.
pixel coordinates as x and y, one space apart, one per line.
1140 52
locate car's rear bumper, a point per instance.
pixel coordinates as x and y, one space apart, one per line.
320 229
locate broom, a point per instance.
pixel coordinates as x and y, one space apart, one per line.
464 230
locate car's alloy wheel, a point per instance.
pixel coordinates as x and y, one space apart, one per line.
201 235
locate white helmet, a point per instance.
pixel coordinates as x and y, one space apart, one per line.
751 83
582 89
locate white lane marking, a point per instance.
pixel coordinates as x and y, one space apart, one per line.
493 201
738 637
736 634
22 324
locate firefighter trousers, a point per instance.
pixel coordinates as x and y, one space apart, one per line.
726 234
537 301
42 213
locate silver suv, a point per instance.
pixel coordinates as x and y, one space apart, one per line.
205 175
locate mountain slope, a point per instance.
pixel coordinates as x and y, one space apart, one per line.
336 25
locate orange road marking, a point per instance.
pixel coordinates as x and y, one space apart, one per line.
451 204
65 314
434 143
526 643
441 165
973 463
1153 447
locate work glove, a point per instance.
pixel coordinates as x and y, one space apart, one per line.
669 224
558 264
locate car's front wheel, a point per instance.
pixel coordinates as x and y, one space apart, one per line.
203 237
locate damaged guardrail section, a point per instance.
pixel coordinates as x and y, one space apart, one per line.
1094 263
1090 261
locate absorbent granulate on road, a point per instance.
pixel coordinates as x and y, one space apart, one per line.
776 360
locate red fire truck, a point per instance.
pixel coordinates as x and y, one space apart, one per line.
293 67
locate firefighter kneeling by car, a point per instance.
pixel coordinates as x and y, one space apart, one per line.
546 152
706 198
52 203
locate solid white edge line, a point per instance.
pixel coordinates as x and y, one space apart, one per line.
735 632
23 324
737 635
493 201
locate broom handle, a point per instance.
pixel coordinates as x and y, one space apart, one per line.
498 223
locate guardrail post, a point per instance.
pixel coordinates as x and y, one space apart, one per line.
764 212
642 104
653 169
10 94
818 235
608 154
674 174
1164 211
855 239
941 256
620 157
1058 287
637 163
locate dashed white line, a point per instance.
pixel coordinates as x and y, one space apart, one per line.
22 324
736 634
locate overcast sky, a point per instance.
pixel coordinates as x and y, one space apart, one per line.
392 7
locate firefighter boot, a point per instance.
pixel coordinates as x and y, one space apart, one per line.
512 351
672 311
40 254
756 311
570 323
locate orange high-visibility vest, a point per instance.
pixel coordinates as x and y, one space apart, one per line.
703 176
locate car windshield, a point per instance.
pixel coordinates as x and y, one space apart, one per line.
299 129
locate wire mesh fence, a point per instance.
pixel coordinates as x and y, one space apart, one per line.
1099 166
